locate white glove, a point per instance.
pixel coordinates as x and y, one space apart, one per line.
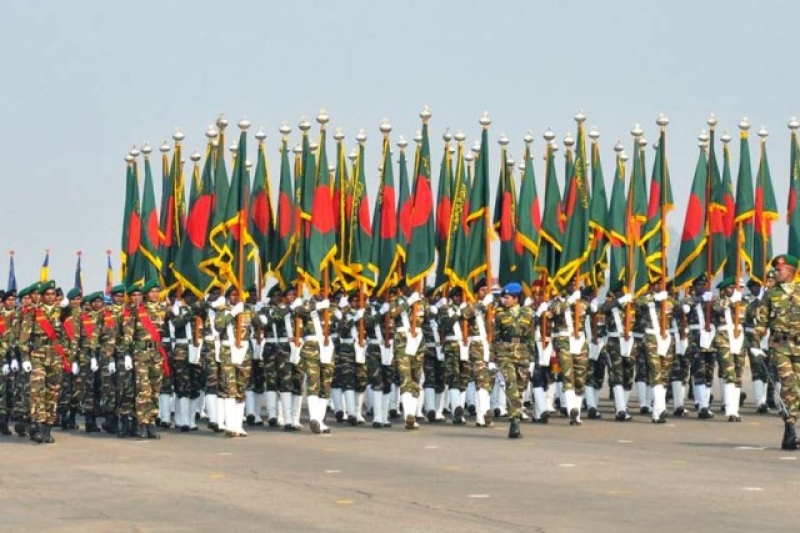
594 305
259 306
6 369
75 369
758 353
93 364
528 301
542 309
660 296
337 314
218 303
323 304
237 309
296 304
359 315
531 367
488 299
574 297
263 319
491 365
625 299
761 293
27 367
14 365
707 296
128 363
344 302
384 309
176 308
414 298
112 367
441 303
63 304
686 309
736 297
434 310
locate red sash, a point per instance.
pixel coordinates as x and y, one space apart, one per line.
50 333
69 328
2 325
109 320
155 336
88 325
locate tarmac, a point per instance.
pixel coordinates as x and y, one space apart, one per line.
687 475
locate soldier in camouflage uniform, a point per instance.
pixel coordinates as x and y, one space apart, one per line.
700 347
125 381
7 344
316 359
88 358
42 342
181 324
779 315
433 386
255 391
107 326
573 352
70 392
758 369
143 337
278 367
21 409
513 338
657 350
452 331
350 367
482 368
595 324
729 352
681 364
405 308
378 325
540 376
233 319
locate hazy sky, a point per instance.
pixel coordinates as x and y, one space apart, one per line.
84 81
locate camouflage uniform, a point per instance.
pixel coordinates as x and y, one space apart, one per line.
514 338
352 376
318 374
71 384
85 353
596 367
184 375
44 354
21 410
277 368
452 326
233 377
148 361
703 359
108 327
379 376
731 365
573 366
7 345
622 367
473 314
659 367
433 370
760 369
408 366
125 379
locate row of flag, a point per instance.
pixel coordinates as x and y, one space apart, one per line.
322 233
44 272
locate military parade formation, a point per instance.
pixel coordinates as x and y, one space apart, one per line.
232 312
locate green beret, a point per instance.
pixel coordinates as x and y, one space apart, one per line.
133 288
97 295
73 293
46 286
9 294
456 291
727 282
275 290
150 285
27 291
700 279
229 290
784 259
118 289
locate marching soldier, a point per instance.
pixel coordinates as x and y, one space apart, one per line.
256 387
42 342
380 356
181 326
481 367
758 371
700 348
21 411
433 363
71 380
596 366
351 365
779 315
277 365
215 406
88 358
681 365
125 391
7 346
729 345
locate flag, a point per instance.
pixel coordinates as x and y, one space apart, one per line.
343 209
552 230
617 223
576 210
78 283
476 263
109 274
659 204
384 255
173 213
792 211
283 249
529 218
150 243
131 225
12 275
455 268
766 211
444 208
195 245
716 209
598 217
691 257
505 221
262 214
421 233
44 271
360 236
732 262
405 206
213 252
636 216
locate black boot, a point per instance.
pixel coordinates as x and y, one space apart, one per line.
132 426
91 423
789 437
63 419
110 424
45 436
4 430
71 424
142 431
152 432
513 429
124 427
20 429
36 433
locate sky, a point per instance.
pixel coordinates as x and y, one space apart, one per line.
85 81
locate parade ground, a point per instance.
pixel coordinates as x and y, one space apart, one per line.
686 475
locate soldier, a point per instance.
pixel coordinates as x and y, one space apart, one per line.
256 387
143 339
215 406
107 326
700 348
278 367
316 359
21 411
758 371
481 367
779 314
181 326
125 392
540 376
596 367
433 386
351 366
42 343
455 338
658 350
572 351
513 337
681 365
728 341
88 358
380 357
166 394
71 379
7 341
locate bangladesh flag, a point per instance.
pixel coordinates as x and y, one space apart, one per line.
284 265
131 226
477 224
149 246
343 209
745 209
211 261
186 266
444 208
405 206
505 222
551 231
576 210
173 214
617 224
384 256
360 238
636 216
659 205
766 212
792 210
262 214
715 203
529 219
421 242
729 215
598 217
691 257
455 267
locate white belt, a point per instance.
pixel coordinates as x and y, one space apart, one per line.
475 338
400 330
651 331
561 334
638 336
749 330
274 340
310 338
451 338
374 342
181 341
165 340
695 327
613 335
347 341
209 338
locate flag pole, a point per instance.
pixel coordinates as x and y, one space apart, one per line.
712 122
580 118
623 157
322 120
662 122
244 124
485 121
739 231
299 233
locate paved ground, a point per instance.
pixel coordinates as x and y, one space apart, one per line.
688 475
